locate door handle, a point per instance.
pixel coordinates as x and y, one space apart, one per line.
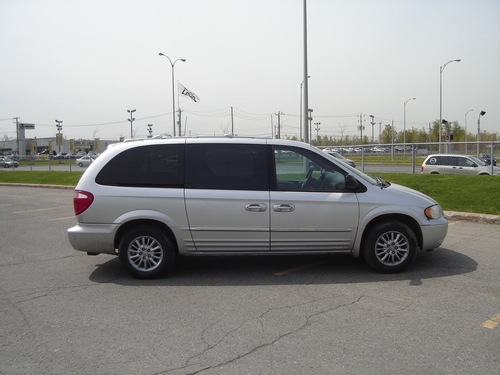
283 207
256 207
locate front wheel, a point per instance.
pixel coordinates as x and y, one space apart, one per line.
390 247
146 252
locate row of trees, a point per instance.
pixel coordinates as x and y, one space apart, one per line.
390 135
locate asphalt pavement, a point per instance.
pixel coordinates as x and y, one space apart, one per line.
64 312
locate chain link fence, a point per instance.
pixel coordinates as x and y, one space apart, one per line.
408 158
373 158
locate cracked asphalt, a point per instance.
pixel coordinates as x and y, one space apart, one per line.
65 312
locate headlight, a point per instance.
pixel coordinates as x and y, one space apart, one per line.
433 212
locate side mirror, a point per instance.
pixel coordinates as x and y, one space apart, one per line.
350 182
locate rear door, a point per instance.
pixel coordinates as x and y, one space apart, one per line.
310 208
227 197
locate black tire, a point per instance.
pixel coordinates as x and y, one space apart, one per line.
146 252
390 247
80 164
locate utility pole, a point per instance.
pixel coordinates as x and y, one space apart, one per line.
310 118
317 132
17 134
373 126
232 122
180 123
361 127
279 124
131 119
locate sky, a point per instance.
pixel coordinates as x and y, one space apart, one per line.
87 62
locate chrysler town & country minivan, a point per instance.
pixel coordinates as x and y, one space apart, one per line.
150 201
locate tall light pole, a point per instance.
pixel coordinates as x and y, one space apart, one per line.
466 130
59 128
306 83
131 119
300 116
441 98
482 113
173 91
404 124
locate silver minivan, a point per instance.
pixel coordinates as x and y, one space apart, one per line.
149 201
457 164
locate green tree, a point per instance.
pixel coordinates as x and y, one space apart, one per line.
386 136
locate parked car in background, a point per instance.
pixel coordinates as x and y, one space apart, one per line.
149 201
341 157
487 159
456 164
84 161
8 163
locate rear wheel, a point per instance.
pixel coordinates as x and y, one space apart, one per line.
390 247
146 252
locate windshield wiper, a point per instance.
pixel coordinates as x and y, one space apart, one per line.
382 183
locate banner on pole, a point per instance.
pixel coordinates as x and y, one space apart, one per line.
184 91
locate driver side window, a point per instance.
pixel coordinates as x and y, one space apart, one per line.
298 170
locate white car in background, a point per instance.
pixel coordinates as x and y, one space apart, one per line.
84 161
340 157
457 164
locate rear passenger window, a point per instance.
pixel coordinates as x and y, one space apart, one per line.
226 167
442 160
145 166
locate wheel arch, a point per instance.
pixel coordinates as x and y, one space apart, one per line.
409 221
134 223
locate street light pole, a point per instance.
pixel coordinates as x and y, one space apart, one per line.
373 126
131 119
59 128
173 91
482 113
441 98
306 81
404 124
466 130
300 115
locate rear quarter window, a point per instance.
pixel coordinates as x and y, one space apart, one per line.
145 166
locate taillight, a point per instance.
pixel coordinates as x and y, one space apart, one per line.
81 201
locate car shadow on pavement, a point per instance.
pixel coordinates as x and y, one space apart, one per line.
286 270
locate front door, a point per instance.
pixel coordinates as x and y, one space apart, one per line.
311 211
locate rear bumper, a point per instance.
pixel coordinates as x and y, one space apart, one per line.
93 238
